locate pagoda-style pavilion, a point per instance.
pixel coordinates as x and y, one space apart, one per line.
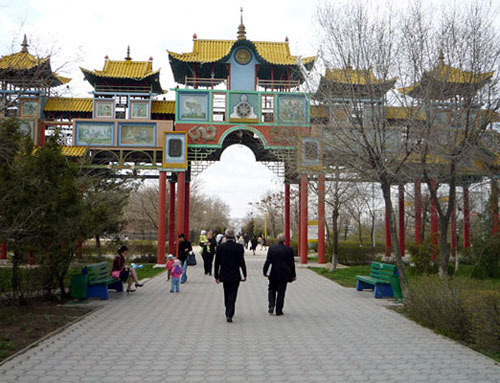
239 64
26 82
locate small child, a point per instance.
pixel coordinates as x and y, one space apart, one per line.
169 265
176 275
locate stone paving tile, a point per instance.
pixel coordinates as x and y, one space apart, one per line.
328 334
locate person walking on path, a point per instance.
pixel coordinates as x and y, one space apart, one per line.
184 249
125 272
280 259
176 274
229 259
253 244
208 245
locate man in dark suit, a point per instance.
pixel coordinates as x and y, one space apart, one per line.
280 258
228 261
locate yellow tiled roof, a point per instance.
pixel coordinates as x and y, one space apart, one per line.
74 151
21 60
403 113
354 77
447 73
164 107
214 50
63 104
124 69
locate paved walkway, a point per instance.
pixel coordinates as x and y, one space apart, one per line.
328 334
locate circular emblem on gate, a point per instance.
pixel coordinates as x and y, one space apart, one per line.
243 56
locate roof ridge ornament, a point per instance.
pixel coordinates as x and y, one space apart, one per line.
241 28
24 45
441 56
128 58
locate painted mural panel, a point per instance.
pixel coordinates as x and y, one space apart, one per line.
104 108
137 135
29 108
193 107
27 127
243 107
292 109
310 153
139 109
94 134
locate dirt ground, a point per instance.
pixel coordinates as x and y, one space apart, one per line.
21 326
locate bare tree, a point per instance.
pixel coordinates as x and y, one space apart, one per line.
454 62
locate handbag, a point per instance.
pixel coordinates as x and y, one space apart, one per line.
115 274
191 259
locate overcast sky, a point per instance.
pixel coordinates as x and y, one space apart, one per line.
80 33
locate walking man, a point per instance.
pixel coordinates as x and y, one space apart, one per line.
228 261
280 258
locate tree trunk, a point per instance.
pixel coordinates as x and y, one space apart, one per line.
386 191
335 237
98 245
444 247
359 231
328 240
372 231
346 230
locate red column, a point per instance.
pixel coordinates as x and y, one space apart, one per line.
434 223
3 251
494 207
418 212
31 259
171 220
321 218
299 218
186 209
181 200
466 217
303 219
388 240
401 224
453 231
160 254
287 214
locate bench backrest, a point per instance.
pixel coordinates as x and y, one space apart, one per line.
383 271
97 271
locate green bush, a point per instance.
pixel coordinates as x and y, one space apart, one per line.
485 255
421 255
461 308
351 253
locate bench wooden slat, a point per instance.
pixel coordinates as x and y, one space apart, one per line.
381 275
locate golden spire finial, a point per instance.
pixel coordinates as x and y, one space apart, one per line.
241 29
128 58
24 45
441 56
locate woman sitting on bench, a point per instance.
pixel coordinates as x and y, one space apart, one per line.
126 273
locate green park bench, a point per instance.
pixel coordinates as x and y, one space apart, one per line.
94 281
383 279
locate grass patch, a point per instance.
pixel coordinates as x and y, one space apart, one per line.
148 271
344 276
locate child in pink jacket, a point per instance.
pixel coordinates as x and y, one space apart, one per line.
176 275
169 265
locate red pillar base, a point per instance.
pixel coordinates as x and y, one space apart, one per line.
321 219
303 219
287 214
160 255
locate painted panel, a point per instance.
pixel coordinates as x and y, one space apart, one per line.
175 150
310 153
139 109
137 134
292 109
193 107
243 107
27 127
103 108
94 133
29 108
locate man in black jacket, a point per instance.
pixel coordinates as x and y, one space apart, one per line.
228 261
280 258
